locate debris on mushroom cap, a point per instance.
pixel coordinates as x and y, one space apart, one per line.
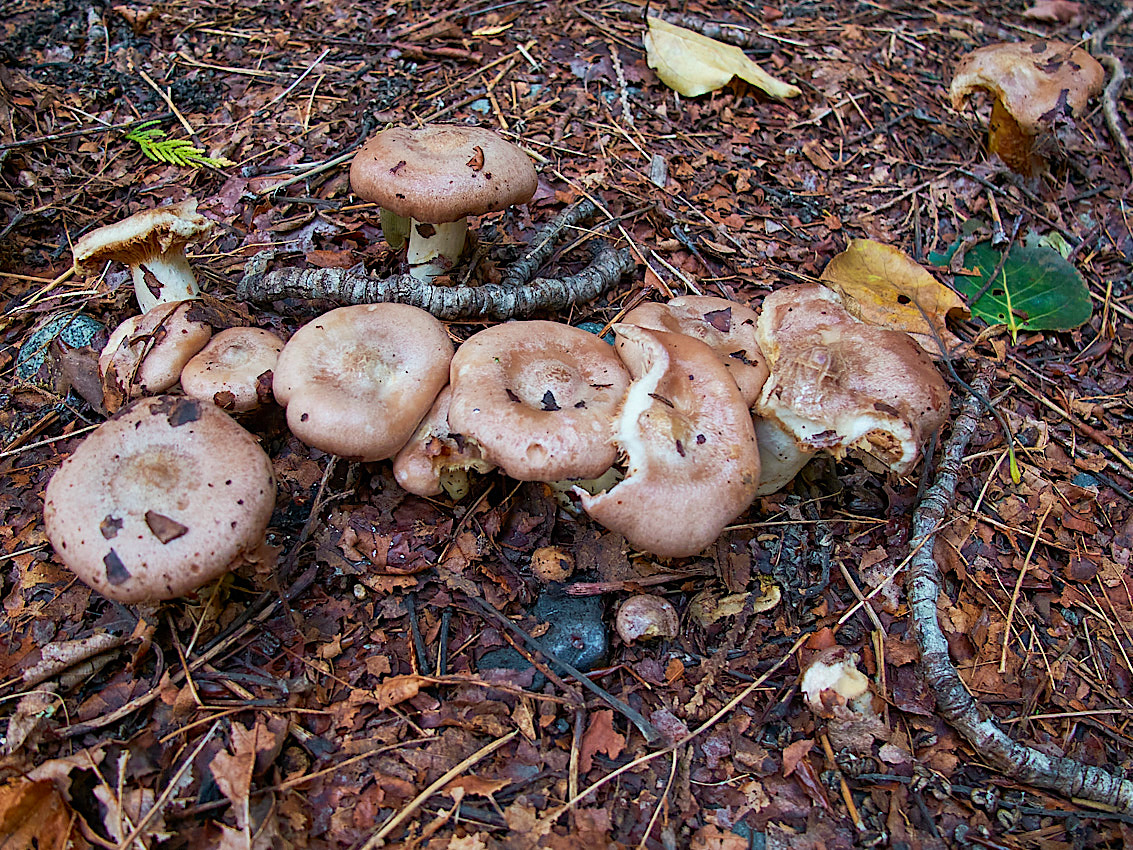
832 678
145 354
152 244
357 381
836 382
234 370
1032 82
539 398
692 460
435 459
162 498
646 616
727 327
440 172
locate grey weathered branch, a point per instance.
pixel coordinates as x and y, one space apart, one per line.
1026 764
1116 81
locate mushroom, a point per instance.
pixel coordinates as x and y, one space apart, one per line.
831 679
646 617
234 370
727 327
357 381
145 354
837 382
539 398
152 243
692 460
1032 83
162 498
436 176
435 459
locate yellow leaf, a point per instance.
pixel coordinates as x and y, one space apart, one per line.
884 286
693 64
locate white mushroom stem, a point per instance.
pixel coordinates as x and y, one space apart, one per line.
781 457
162 278
435 248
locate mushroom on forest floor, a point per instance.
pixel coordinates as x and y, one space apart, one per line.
357 381
152 243
1032 84
436 459
234 369
159 500
436 176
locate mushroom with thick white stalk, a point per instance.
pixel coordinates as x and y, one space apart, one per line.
692 464
159 500
234 370
357 381
435 177
152 243
539 399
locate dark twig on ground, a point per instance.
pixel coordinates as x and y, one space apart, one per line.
1064 775
1116 81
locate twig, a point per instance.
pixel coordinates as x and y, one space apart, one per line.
1020 762
543 245
84 131
1113 88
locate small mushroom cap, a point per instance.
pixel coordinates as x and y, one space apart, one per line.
132 240
356 381
434 449
160 499
836 382
145 354
832 679
645 617
692 460
727 327
539 398
441 172
1031 79
234 370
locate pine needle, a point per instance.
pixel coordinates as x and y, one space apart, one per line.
180 152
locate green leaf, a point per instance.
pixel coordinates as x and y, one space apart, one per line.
1036 290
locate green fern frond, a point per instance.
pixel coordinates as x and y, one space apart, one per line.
180 152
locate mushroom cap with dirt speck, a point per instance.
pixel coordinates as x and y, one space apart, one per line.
234 370
837 382
357 381
692 463
159 500
132 240
539 398
442 172
646 616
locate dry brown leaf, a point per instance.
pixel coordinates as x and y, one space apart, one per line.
34 814
884 286
1055 11
397 690
473 784
693 64
600 737
794 753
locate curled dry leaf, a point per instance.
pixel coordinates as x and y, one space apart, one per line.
693 64
884 286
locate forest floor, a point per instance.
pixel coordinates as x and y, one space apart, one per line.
333 696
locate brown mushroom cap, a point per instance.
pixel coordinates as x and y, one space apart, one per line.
133 240
692 460
435 450
646 616
440 172
539 397
836 382
234 370
145 354
159 500
727 327
356 381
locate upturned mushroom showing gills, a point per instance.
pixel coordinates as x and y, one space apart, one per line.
837 382
538 398
692 464
435 177
164 497
356 381
1032 84
152 243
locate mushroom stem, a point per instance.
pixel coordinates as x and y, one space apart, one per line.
435 248
1010 141
781 457
163 278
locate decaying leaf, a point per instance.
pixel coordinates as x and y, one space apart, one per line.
884 286
34 814
708 607
398 689
600 737
692 64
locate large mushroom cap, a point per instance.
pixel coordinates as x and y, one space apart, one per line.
539 398
727 327
132 240
357 380
159 500
692 460
440 173
836 382
1031 79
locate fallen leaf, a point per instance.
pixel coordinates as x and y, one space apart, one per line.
600 737
1055 11
34 814
397 689
794 753
884 286
693 64
478 785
